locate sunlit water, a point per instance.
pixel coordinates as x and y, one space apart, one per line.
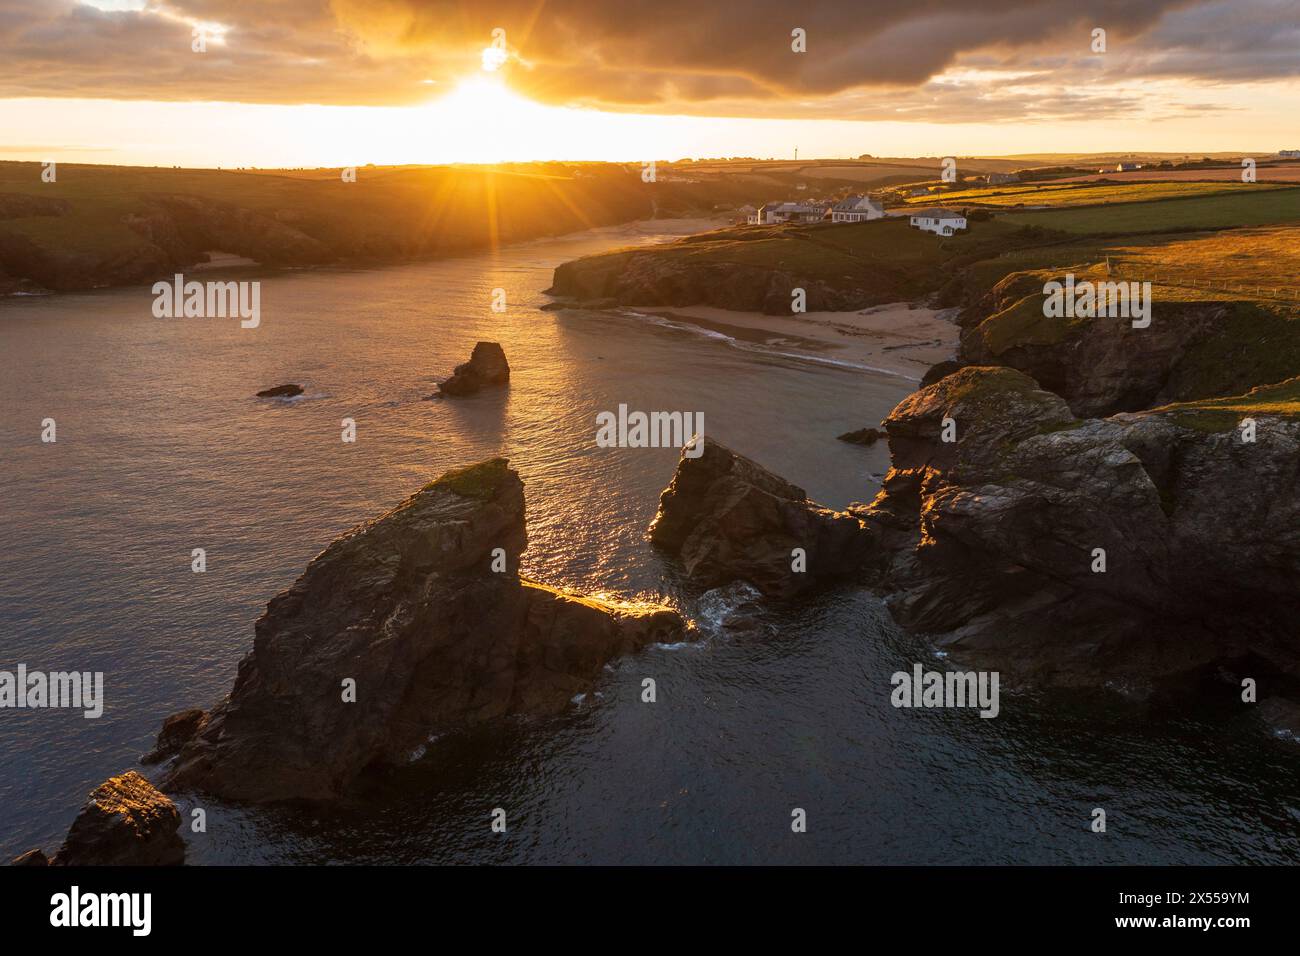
162 448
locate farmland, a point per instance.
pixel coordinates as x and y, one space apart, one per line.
1056 194
1242 206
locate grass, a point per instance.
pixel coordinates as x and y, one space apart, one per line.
1083 194
1222 414
1261 205
1238 264
1023 323
480 481
386 213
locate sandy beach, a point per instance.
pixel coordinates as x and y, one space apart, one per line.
896 338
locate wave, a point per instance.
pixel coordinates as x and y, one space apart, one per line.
759 348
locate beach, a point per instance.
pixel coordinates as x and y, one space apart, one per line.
899 338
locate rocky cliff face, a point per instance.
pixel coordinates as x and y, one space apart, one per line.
187 226
1100 366
990 542
399 630
729 519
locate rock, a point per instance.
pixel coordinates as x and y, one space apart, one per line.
863 436
177 730
127 822
729 519
1102 366
281 391
989 543
408 607
938 371
487 366
31 858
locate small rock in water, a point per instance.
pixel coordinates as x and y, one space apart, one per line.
863 436
126 822
281 391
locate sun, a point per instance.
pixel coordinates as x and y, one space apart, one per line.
482 99
493 58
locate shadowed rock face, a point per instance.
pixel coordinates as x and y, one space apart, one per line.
729 519
486 367
409 607
177 730
988 542
126 822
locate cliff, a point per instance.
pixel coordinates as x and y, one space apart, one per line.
412 624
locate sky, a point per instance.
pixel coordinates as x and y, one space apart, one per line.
347 82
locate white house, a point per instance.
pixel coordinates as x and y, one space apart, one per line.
942 222
1289 153
994 179
748 214
857 209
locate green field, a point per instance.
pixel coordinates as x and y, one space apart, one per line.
1083 194
1254 205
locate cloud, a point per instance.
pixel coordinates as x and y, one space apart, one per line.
995 60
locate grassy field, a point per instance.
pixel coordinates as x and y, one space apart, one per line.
102 225
839 252
1081 194
1254 205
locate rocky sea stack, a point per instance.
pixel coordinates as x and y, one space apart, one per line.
729 519
487 367
411 624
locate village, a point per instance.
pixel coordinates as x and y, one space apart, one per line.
853 208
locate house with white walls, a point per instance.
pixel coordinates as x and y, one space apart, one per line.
937 219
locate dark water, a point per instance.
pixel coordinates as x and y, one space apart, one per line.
162 448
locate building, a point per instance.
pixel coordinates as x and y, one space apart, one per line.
996 179
778 212
857 209
1289 153
1127 167
937 219
747 214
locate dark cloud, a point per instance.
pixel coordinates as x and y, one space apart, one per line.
865 59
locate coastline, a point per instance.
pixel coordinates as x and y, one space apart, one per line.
632 232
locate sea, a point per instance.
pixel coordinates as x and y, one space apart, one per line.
162 447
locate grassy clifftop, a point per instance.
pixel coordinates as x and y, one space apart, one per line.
102 225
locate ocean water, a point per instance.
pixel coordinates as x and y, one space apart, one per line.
162 448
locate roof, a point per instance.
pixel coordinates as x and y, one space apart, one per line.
849 203
937 212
